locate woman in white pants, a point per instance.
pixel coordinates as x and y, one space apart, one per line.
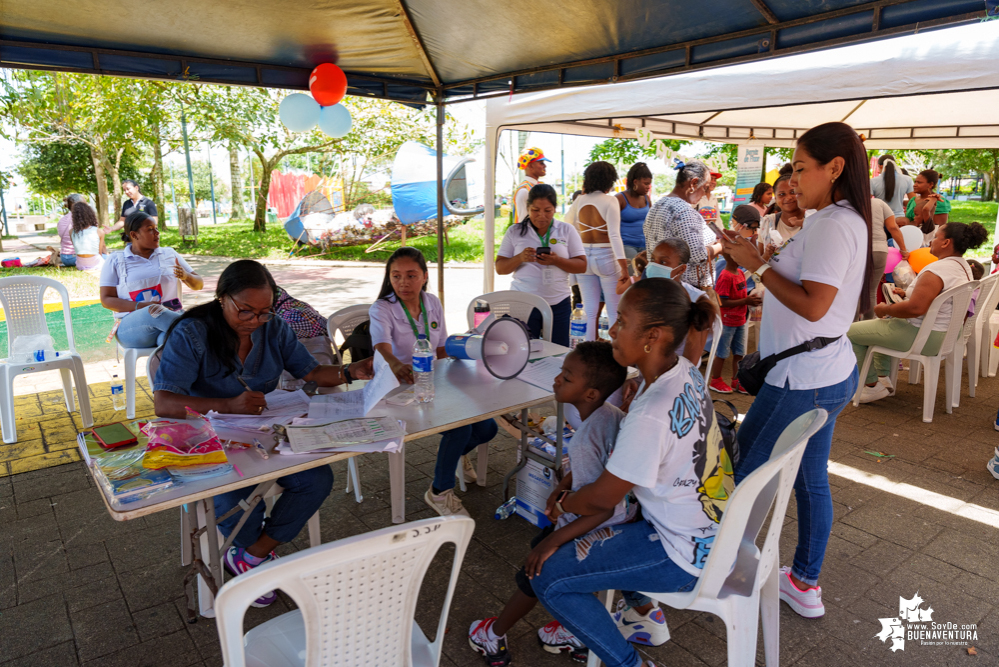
597 216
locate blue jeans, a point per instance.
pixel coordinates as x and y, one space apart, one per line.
303 493
67 260
732 341
561 314
456 443
633 559
771 412
140 329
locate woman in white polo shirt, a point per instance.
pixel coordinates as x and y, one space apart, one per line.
545 272
817 279
141 284
403 311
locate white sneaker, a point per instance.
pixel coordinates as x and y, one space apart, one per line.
555 639
886 381
806 603
993 464
468 470
648 630
446 504
875 393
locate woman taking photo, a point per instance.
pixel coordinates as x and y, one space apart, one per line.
141 284
635 205
674 215
900 322
784 216
814 284
927 210
541 252
87 237
658 445
405 310
226 355
763 193
596 215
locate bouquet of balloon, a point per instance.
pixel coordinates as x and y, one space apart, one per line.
300 112
902 271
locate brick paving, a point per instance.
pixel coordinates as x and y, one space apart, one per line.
77 588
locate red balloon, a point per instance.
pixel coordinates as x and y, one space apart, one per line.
328 84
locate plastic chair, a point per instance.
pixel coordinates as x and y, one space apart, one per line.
716 331
515 304
22 299
356 601
739 580
959 297
130 358
971 345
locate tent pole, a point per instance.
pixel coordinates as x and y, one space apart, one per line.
439 101
489 202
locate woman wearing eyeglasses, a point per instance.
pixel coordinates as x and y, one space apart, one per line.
225 355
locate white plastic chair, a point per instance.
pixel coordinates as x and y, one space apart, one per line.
130 358
740 580
344 321
22 299
971 345
515 304
959 297
356 601
716 332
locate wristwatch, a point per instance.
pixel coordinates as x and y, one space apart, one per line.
758 273
345 370
561 497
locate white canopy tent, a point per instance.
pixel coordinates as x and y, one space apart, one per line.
931 90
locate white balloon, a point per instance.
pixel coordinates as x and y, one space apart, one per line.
299 112
913 237
335 120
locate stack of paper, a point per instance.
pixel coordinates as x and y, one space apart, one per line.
282 408
541 373
309 438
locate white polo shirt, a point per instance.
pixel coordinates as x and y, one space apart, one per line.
530 276
389 324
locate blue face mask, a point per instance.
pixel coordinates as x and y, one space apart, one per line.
654 270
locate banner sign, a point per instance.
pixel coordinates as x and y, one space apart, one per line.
750 172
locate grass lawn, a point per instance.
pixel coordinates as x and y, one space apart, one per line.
80 284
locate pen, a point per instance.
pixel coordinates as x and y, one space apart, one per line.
243 382
260 448
238 471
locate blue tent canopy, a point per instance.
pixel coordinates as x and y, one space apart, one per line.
408 50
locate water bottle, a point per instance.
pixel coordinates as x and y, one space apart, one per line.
481 312
604 328
506 510
117 393
423 369
577 326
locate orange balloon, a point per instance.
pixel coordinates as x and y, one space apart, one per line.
328 84
920 258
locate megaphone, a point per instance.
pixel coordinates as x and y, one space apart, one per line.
503 346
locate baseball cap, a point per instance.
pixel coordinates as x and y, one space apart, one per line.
529 156
746 214
715 174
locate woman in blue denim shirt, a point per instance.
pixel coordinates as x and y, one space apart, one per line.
209 353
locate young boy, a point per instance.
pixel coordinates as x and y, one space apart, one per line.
735 302
589 375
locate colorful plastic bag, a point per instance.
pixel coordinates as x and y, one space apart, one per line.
182 443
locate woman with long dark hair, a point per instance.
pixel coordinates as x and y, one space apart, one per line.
226 355
597 217
141 284
635 204
763 193
892 186
67 251
405 310
541 252
87 237
784 216
815 283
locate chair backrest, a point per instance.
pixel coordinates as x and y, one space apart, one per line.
152 363
985 305
734 558
515 304
960 297
23 302
357 595
716 332
344 321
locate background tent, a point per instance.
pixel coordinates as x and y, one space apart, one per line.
908 92
414 184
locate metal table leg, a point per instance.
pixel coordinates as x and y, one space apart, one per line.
397 484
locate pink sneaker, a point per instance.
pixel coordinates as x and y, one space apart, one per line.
807 603
717 384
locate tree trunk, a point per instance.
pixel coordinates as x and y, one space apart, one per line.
102 187
260 218
159 191
115 184
238 210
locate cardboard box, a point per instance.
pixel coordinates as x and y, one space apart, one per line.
535 482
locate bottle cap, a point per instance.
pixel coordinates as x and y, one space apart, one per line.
481 306
423 336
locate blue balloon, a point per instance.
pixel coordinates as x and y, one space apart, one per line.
335 120
299 112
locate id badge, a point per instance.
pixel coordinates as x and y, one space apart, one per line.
548 276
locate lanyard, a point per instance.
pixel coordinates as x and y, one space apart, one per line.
548 234
423 311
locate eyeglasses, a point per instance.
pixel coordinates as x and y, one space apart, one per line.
247 315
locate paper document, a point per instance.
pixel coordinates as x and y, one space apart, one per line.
279 403
334 407
382 383
387 446
541 373
304 439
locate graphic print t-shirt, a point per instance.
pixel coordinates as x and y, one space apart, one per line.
671 449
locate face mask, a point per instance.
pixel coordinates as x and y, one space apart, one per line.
654 270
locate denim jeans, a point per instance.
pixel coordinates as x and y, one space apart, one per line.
456 443
303 493
561 313
599 283
771 412
67 260
632 559
141 329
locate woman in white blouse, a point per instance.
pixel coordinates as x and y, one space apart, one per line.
596 215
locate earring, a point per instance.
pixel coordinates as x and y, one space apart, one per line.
648 349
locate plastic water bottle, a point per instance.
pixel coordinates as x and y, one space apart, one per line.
423 369
506 510
481 312
117 393
604 329
577 326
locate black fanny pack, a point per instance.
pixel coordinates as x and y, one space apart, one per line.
753 370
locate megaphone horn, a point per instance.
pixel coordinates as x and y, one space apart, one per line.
504 347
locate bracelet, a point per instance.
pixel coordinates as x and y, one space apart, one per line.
345 372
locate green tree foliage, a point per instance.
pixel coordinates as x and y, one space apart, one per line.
58 169
963 162
202 185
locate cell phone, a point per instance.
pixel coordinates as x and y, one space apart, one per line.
544 250
113 436
713 226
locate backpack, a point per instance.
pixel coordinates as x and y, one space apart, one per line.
358 343
727 426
